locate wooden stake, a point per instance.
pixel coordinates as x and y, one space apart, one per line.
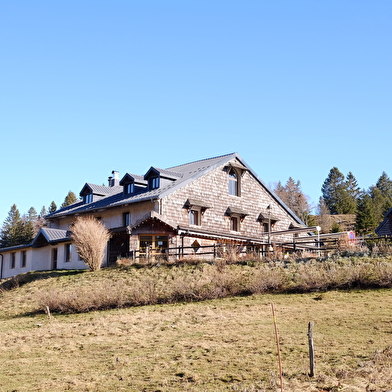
311 348
47 311
278 347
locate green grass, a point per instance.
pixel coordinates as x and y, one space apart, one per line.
222 344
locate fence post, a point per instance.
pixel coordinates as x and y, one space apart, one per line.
311 348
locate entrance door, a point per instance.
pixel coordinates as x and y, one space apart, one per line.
118 247
54 258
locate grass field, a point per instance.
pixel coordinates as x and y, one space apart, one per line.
215 345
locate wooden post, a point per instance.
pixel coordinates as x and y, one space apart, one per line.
278 348
311 348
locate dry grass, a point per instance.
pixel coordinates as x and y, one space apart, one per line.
218 345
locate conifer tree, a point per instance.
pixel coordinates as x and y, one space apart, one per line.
384 184
69 199
333 190
52 207
12 232
339 193
366 220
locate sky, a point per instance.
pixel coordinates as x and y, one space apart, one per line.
91 86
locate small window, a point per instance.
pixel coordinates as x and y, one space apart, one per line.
154 183
129 188
265 227
88 198
194 217
23 259
234 223
126 219
233 183
68 252
12 260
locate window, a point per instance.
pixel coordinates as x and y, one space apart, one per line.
234 223
129 188
154 182
12 261
23 259
194 217
88 198
155 243
233 183
265 227
68 252
126 219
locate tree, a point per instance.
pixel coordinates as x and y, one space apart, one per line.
292 195
52 207
384 184
12 232
340 193
367 220
90 237
29 225
69 199
352 193
324 216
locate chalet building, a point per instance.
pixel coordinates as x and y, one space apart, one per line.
385 227
204 203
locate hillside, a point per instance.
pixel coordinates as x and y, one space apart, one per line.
212 345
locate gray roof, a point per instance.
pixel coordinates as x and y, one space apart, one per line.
181 175
51 235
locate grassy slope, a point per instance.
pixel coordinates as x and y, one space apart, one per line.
216 345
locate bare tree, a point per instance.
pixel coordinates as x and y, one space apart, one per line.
90 237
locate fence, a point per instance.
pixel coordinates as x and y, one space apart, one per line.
231 251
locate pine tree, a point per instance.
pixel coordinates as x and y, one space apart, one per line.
69 199
12 232
340 194
29 225
384 184
52 207
331 190
367 220
352 189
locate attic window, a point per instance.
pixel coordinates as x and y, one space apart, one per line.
88 198
129 188
233 182
153 182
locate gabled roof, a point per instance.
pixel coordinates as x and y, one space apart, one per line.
133 178
100 190
171 175
47 235
180 175
385 227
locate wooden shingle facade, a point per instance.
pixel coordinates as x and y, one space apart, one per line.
209 202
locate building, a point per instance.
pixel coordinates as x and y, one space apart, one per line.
385 227
174 212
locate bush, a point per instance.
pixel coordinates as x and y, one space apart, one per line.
90 237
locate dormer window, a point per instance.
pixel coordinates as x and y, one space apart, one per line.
88 198
153 183
129 188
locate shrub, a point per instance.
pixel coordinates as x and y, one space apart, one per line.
90 237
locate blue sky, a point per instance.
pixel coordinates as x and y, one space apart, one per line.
87 87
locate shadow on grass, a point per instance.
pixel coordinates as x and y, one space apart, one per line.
22 279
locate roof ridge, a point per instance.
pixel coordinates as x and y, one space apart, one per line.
202 160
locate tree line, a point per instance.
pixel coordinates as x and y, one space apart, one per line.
340 195
20 229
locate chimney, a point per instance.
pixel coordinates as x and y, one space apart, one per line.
114 180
